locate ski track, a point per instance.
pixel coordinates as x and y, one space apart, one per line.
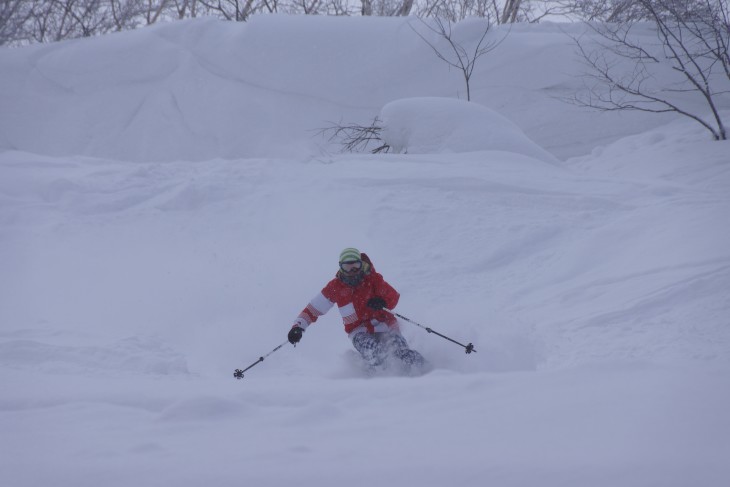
484 204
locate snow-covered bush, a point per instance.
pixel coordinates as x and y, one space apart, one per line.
437 125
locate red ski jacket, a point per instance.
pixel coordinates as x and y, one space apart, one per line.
352 303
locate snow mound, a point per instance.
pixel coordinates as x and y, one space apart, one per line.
436 125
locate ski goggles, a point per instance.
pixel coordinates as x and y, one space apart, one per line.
351 266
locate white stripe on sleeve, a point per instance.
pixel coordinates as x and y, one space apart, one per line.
320 304
348 313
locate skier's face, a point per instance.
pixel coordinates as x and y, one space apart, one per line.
351 268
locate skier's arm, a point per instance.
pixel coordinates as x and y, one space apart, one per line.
387 292
318 306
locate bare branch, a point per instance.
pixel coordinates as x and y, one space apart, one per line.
687 45
457 55
357 138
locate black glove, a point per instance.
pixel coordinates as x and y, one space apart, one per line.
295 334
376 303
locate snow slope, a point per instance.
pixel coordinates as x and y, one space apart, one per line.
202 89
166 212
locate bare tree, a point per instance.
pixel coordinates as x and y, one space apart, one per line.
126 14
510 11
14 16
339 8
238 10
688 60
185 8
500 11
709 23
56 20
307 7
84 18
386 8
154 9
456 10
455 53
609 10
534 11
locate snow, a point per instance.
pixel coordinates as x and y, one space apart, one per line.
167 209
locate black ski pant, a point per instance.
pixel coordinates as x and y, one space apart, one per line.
375 348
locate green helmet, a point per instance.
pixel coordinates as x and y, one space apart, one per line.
350 254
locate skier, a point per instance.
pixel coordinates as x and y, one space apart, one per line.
361 295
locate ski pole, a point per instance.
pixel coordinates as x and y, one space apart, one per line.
469 348
238 373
